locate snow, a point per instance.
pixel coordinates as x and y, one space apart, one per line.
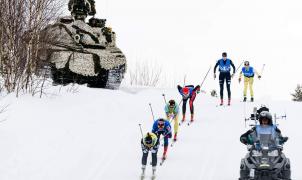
93 134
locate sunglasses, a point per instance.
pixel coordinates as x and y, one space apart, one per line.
161 125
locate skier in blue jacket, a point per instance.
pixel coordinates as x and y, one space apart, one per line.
225 65
163 127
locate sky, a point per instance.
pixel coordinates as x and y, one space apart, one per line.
187 37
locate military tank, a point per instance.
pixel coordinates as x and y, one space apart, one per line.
85 52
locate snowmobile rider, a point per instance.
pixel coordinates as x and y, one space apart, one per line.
171 110
150 142
188 92
225 75
163 127
248 73
266 127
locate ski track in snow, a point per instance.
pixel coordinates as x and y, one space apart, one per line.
94 134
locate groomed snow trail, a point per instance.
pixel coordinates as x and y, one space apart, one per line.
94 134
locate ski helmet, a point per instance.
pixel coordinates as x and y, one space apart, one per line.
224 54
262 108
148 139
185 90
171 103
266 115
246 63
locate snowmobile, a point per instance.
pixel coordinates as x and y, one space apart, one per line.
265 159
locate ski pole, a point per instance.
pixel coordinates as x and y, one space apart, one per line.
185 79
180 102
239 67
140 127
165 98
262 69
205 76
152 111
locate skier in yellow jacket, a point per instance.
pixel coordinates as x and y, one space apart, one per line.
248 73
172 110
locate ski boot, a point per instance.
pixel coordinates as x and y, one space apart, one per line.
252 99
221 102
175 137
143 171
192 118
153 172
229 102
183 118
244 99
165 153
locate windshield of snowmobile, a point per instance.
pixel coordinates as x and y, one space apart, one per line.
265 140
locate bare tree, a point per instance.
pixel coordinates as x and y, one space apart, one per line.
22 40
145 74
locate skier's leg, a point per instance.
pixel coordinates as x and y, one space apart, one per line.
154 158
228 81
184 104
144 158
251 82
192 105
221 84
176 125
166 143
246 82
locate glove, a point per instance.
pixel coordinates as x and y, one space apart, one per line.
283 140
259 77
243 140
257 146
239 80
171 116
232 75
198 92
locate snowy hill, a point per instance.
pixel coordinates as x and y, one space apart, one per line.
93 134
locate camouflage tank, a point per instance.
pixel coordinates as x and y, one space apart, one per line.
85 52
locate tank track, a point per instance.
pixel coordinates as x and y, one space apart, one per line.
115 77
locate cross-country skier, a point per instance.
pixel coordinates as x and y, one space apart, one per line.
248 73
225 65
171 110
188 92
149 143
163 127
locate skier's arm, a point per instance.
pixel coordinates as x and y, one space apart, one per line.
216 65
176 109
240 74
256 72
233 66
179 89
197 88
166 110
245 138
154 128
168 131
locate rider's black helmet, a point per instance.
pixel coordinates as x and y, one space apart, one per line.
266 115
